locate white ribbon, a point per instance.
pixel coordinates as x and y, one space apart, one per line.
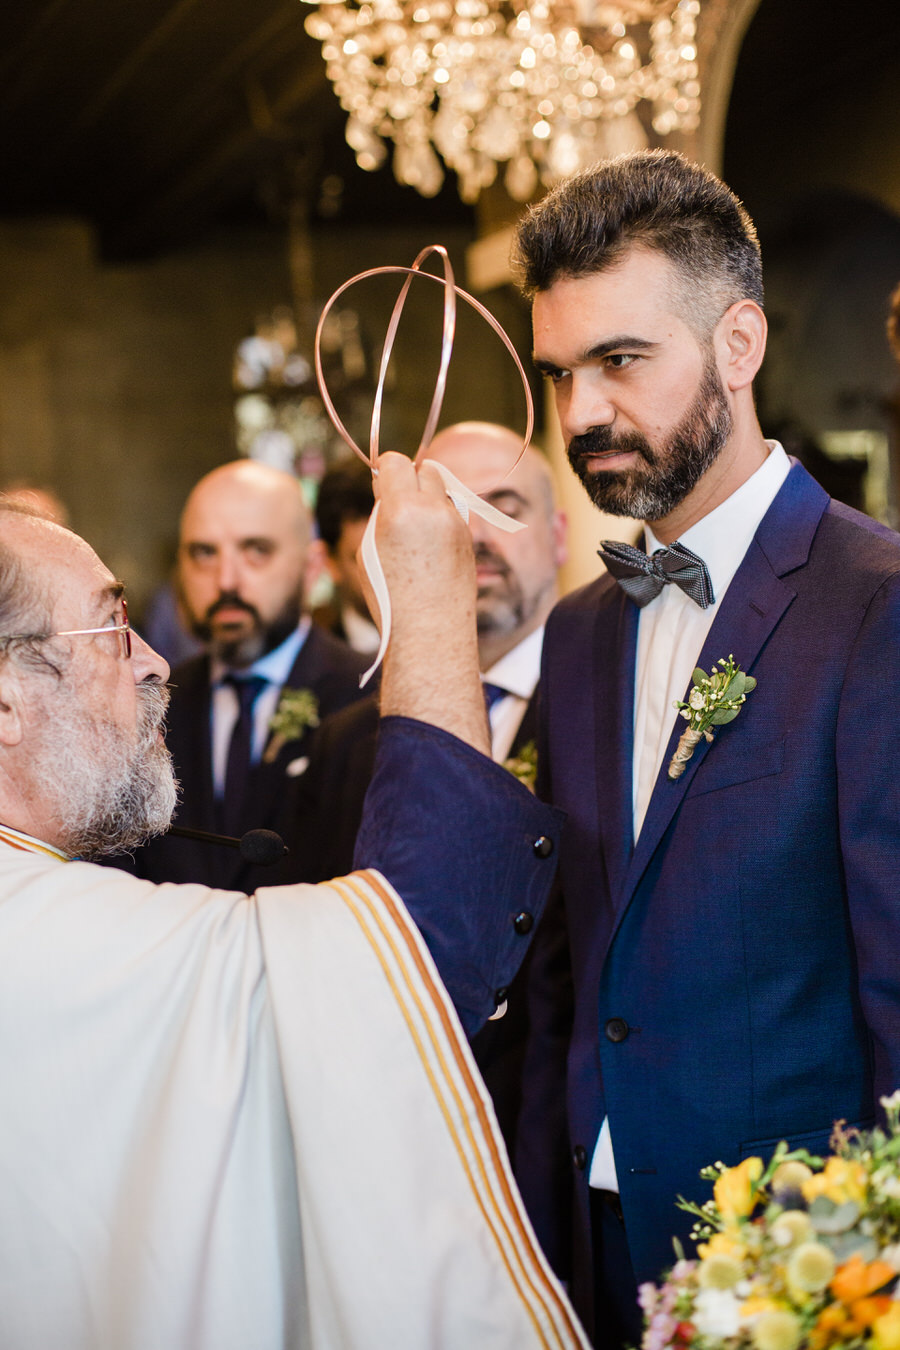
467 503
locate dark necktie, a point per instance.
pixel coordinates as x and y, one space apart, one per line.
492 693
642 577
237 766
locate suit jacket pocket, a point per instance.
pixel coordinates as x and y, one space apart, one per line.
816 1142
727 765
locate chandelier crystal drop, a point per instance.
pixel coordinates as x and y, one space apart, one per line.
537 85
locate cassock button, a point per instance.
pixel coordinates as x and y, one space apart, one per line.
617 1029
523 923
579 1157
542 846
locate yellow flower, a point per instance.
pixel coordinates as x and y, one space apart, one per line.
723 1244
842 1180
790 1176
756 1304
718 1271
886 1330
791 1228
777 1330
734 1189
810 1268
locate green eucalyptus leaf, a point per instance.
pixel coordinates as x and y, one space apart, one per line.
723 715
700 677
845 1245
736 685
749 683
839 1220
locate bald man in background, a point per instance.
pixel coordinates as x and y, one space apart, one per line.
242 555
517 587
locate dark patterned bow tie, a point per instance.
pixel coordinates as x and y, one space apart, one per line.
642 577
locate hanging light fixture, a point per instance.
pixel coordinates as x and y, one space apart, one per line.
537 85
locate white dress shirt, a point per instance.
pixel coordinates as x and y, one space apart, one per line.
518 672
672 629
360 633
275 667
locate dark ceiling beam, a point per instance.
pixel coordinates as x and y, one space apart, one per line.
191 116
211 175
125 72
20 65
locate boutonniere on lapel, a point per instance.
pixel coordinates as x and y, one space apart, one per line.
524 765
715 699
297 711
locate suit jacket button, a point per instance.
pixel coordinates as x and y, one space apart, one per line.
501 996
523 923
617 1029
542 846
579 1157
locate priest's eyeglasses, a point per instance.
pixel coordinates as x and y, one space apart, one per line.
122 631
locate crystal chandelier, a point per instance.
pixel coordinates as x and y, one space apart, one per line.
537 85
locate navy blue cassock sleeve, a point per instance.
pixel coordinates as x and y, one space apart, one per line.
469 849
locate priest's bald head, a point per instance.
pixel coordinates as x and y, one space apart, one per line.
83 765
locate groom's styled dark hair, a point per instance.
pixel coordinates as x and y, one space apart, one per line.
656 200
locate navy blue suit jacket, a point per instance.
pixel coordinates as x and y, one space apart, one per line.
750 942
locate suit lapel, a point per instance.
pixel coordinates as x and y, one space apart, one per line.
528 727
615 646
189 739
752 608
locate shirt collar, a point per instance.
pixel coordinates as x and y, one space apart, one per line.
361 633
722 538
27 842
276 665
519 670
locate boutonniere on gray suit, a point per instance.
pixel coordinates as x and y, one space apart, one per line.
714 700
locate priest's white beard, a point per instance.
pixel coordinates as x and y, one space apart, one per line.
108 790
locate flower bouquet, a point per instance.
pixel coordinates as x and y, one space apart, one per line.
800 1253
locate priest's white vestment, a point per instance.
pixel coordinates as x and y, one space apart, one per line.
245 1124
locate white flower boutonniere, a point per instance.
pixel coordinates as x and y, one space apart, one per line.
297 711
524 765
715 699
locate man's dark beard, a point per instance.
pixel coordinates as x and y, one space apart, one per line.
262 639
652 489
499 609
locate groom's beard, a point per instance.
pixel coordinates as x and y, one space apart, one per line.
109 791
663 476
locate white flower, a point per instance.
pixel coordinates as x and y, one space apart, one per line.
892 1102
889 1188
717 1313
696 699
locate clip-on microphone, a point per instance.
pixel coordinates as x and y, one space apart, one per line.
262 847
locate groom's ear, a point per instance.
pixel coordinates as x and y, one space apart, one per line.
740 343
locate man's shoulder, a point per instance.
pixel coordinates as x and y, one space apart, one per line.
348 727
188 683
867 543
330 669
323 654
